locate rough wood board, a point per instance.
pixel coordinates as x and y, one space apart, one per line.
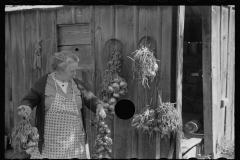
133 86
104 31
233 80
207 81
23 51
47 35
65 15
230 72
158 78
215 61
179 60
224 53
124 32
141 90
148 27
83 14
165 67
8 79
31 39
15 21
74 34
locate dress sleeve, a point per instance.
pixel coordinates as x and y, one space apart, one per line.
32 98
90 100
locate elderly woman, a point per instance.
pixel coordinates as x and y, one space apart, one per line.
61 98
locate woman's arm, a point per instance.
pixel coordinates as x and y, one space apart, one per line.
90 100
32 98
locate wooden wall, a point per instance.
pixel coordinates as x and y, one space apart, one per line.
218 76
125 23
128 24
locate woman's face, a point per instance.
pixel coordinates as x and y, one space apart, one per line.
70 72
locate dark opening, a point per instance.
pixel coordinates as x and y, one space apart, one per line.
192 82
124 109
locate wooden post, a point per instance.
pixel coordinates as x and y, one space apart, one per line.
179 63
158 136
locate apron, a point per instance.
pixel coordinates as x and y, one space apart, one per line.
64 136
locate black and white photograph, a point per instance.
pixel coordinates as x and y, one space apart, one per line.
119 81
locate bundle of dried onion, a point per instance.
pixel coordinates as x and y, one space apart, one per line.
165 119
24 136
168 120
113 86
144 65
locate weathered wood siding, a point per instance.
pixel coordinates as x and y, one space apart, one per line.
98 24
218 76
89 28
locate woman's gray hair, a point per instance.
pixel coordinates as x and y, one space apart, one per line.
60 60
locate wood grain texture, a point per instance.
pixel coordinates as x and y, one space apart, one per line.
179 60
30 40
74 34
165 67
232 79
65 15
207 79
216 85
158 78
83 14
124 31
8 78
230 73
224 53
132 91
148 27
104 30
128 24
15 21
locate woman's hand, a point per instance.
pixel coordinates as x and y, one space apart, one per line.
100 111
24 111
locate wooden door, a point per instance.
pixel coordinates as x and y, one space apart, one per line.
218 73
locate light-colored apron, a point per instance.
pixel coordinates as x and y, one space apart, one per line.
64 136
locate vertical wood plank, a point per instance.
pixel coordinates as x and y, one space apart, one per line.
233 79
141 90
230 78
65 15
103 19
135 135
207 79
124 32
224 53
215 61
148 27
180 30
82 14
158 81
16 69
23 53
31 38
165 67
8 78
47 35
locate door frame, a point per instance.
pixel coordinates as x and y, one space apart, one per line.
179 70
